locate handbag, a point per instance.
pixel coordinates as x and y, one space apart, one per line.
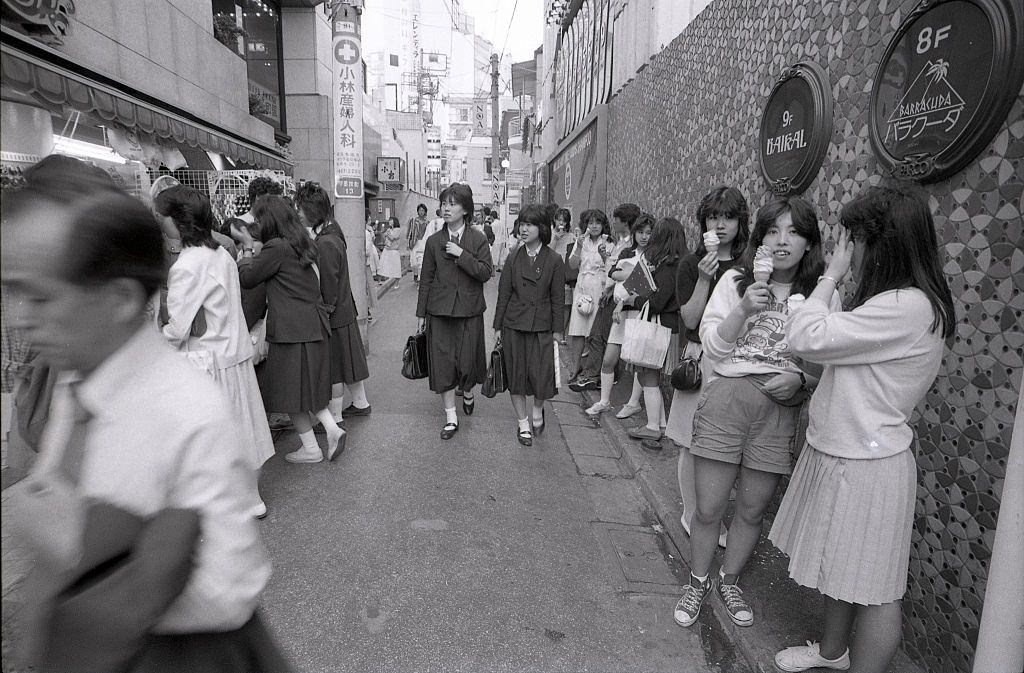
645 343
585 304
686 376
414 358
496 381
258 336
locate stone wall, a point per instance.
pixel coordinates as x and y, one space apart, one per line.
689 121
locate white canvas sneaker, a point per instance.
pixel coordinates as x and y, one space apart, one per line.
801 658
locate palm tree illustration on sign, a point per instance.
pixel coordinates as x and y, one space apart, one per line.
930 100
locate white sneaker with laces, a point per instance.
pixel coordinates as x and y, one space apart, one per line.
598 408
801 658
628 410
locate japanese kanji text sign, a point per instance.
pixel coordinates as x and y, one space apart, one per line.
347 107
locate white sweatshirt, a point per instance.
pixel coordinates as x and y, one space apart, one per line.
880 359
761 347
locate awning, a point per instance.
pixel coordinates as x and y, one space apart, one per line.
56 84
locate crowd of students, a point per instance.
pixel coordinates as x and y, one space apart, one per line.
761 311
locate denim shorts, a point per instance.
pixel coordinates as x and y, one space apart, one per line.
737 423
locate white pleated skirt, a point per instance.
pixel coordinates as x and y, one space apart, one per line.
390 264
243 393
846 525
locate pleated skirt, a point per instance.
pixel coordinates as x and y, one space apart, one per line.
529 363
592 285
390 264
348 358
846 525
243 393
296 377
455 352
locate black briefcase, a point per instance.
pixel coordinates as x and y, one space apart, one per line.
414 359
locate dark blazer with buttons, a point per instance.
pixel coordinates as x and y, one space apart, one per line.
531 292
335 286
454 286
296 312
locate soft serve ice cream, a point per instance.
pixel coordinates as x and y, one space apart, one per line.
711 241
763 265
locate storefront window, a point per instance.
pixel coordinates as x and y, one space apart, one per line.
252 29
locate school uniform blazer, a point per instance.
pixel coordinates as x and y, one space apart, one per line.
335 285
531 292
454 286
295 311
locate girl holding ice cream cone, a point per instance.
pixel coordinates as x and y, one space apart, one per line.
746 418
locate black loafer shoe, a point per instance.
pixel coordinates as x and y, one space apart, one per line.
468 405
525 437
538 428
353 410
449 430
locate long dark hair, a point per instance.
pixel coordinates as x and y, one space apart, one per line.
191 213
727 202
805 221
901 249
279 220
667 244
640 222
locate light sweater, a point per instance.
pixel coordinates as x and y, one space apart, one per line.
761 347
880 359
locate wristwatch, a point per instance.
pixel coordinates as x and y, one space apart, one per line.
803 381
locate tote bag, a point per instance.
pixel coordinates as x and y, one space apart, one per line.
645 343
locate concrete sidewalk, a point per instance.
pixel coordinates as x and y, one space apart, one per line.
786 614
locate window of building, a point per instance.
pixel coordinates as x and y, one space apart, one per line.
464 114
432 58
394 60
487 165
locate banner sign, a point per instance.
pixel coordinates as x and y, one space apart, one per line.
347 105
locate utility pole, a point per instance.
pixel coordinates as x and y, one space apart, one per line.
346 124
495 145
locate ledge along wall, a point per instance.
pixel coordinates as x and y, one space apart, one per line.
689 120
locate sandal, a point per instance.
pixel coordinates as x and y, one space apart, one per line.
449 430
525 437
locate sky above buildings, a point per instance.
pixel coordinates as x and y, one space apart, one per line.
495 20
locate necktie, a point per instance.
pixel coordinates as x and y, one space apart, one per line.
74 450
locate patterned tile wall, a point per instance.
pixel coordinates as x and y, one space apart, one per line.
689 121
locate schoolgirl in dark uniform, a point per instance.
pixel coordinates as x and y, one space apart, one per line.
528 319
456 264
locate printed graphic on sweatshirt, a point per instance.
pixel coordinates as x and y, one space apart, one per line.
764 337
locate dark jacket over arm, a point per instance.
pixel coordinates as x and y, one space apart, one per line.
530 292
335 285
454 286
664 303
295 310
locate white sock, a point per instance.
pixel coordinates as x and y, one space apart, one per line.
336 405
638 390
308 439
358 392
330 425
524 425
450 416
607 381
702 580
652 398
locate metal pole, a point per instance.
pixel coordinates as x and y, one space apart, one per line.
346 124
495 145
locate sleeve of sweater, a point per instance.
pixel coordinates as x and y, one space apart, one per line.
185 296
723 300
883 328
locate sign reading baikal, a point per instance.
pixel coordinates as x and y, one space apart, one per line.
945 85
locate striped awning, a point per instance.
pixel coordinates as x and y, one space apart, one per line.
55 84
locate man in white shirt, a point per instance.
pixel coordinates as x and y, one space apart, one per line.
133 424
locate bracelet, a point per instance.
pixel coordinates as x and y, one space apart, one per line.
834 281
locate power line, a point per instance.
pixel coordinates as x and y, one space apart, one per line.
510 21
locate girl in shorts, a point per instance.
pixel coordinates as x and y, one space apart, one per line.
746 418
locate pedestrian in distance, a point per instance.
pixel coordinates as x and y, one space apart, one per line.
527 317
137 512
746 419
417 231
204 281
847 516
451 305
370 268
723 218
623 309
391 258
562 240
666 247
348 358
588 259
296 377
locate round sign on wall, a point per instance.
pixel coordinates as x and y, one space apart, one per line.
796 127
945 85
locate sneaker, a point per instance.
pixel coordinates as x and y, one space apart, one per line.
628 410
802 658
688 608
581 384
597 408
732 596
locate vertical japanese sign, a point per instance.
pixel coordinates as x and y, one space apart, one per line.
347 104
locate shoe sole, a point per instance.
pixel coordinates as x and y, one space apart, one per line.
304 461
339 448
739 622
808 668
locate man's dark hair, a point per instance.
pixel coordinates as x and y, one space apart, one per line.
260 186
627 213
191 213
64 179
315 204
422 207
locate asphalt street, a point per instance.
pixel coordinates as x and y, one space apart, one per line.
410 553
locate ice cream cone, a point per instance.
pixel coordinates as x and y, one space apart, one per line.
711 241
